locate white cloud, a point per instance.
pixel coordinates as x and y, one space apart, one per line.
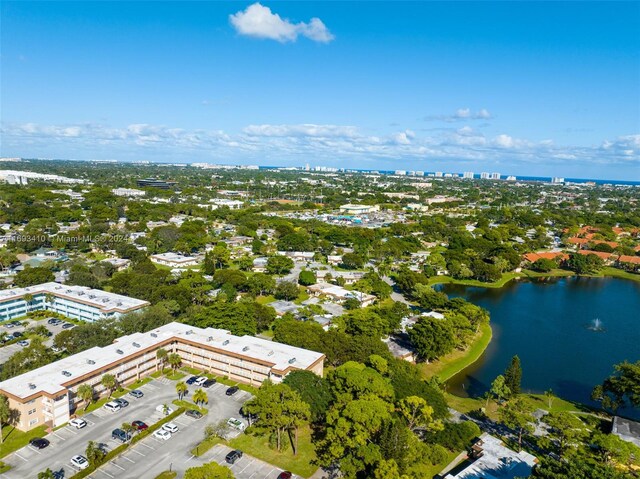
482 115
298 143
462 114
260 22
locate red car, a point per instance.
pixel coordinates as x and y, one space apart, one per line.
139 425
285 475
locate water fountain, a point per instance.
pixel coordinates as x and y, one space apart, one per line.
596 325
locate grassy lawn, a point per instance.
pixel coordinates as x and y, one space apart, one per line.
432 471
175 375
506 277
15 439
139 383
454 362
93 406
205 445
536 401
618 273
167 475
189 405
265 299
302 296
258 446
553 273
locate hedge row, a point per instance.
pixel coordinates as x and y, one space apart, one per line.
123 447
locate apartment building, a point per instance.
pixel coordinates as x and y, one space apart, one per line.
78 302
48 395
174 260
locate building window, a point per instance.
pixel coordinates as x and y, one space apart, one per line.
31 411
33 421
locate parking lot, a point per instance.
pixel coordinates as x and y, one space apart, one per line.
9 350
146 456
247 467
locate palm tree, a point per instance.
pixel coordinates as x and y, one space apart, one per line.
85 392
127 427
181 389
7 415
109 381
28 298
161 356
549 395
174 361
200 397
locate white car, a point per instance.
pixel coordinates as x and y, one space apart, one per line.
201 380
166 410
172 428
78 423
236 424
80 462
162 434
112 406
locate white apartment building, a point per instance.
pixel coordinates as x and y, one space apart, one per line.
78 302
130 192
174 260
468 175
48 395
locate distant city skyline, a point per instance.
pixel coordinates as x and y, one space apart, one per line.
547 89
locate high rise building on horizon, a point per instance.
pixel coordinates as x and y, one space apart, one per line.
468 175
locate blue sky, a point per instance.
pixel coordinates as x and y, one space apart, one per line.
540 88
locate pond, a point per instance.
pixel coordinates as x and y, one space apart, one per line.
568 333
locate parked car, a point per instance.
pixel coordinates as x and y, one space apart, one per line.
285 475
208 383
80 462
192 380
171 427
68 326
233 456
232 390
52 321
23 343
136 393
39 442
122 402
200 381
112 406
236 424
120 435
193 413
8 325
164 409
78 423
17 334
162 434
139 425
16 323
55 349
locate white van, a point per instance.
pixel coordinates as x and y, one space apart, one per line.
112 406
201 380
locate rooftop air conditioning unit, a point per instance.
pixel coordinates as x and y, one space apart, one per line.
119 351
271 353
136 345
90 361
246 348
210 338
226 341
292 360
154 335
32 386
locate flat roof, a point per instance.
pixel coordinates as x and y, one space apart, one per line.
50 379
174 257
103 300
497 462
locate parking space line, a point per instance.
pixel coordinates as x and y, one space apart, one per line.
59 436
34 449
126 458
138 452
105 472
192 456
148 446
245 467
118 466
25 460
71 430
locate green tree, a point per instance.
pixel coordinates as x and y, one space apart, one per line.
499 390
33 276
418 414
200 397
621 388
261 284
565 428
7 415
279 265
95 454
85 393
161 358
307 278
174 361
46 474
550 396
613 449
516 415
128 428
513 375
432 338
287 290
109 382
313 389
181 389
